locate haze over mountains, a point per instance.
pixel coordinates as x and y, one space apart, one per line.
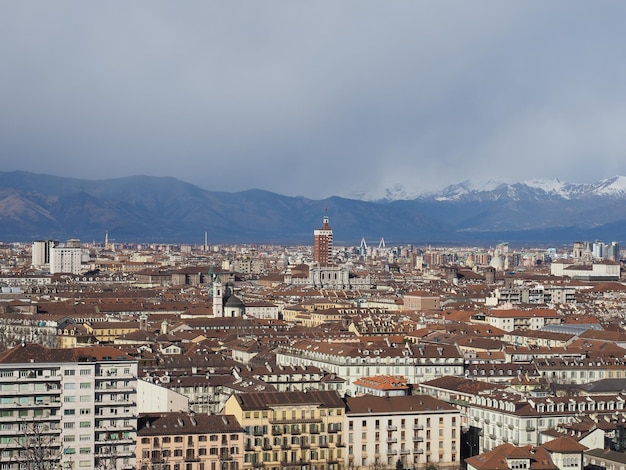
154 209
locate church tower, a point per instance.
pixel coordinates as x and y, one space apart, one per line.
323 244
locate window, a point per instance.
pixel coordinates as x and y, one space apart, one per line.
69 412
85 385
69 372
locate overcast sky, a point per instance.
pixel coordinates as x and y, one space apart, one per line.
314 98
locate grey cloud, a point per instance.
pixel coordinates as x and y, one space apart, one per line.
314 98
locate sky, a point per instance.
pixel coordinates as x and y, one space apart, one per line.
315 98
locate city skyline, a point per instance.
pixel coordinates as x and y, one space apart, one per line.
314 99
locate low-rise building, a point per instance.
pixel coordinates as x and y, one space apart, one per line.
189 441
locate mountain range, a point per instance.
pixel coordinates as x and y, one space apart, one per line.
164 209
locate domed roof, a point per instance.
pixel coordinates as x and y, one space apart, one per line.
497 262
233 302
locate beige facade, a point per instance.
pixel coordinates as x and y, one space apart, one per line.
181 441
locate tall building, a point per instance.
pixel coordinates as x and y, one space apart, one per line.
67 408
41 253
66 259
323 244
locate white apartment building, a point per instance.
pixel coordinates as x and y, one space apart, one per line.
69 408
509 319
506 417
605 270
40 253
65 259
350 361
416 430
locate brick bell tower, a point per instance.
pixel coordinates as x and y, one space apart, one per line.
323 244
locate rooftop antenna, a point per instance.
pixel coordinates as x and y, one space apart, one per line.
382 243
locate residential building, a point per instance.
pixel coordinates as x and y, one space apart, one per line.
66 259
416 430
189 442
563 453
416 362
291 430
73 407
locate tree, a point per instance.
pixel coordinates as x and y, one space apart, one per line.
399 465
38 447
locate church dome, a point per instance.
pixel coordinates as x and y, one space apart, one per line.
233 302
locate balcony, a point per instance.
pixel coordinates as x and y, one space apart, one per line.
530 428
275 432
295 430
405 451
418 439
392 440
323 444
418 451
392 428
392 452
418 427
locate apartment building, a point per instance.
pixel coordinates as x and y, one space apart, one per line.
514 319
291 430
416 430
182 441
73 408
416 362
506 417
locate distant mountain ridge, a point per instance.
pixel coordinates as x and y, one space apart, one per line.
164 209
535 188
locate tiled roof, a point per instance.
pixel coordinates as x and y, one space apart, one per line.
409 403
183 423
263 401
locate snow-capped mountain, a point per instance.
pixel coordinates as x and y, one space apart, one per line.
537 189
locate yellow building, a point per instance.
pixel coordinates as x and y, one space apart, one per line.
108 331
290 429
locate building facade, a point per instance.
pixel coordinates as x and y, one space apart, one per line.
416 430
70 408
189 442
291 430
323 244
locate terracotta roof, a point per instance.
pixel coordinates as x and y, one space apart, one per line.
564 445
